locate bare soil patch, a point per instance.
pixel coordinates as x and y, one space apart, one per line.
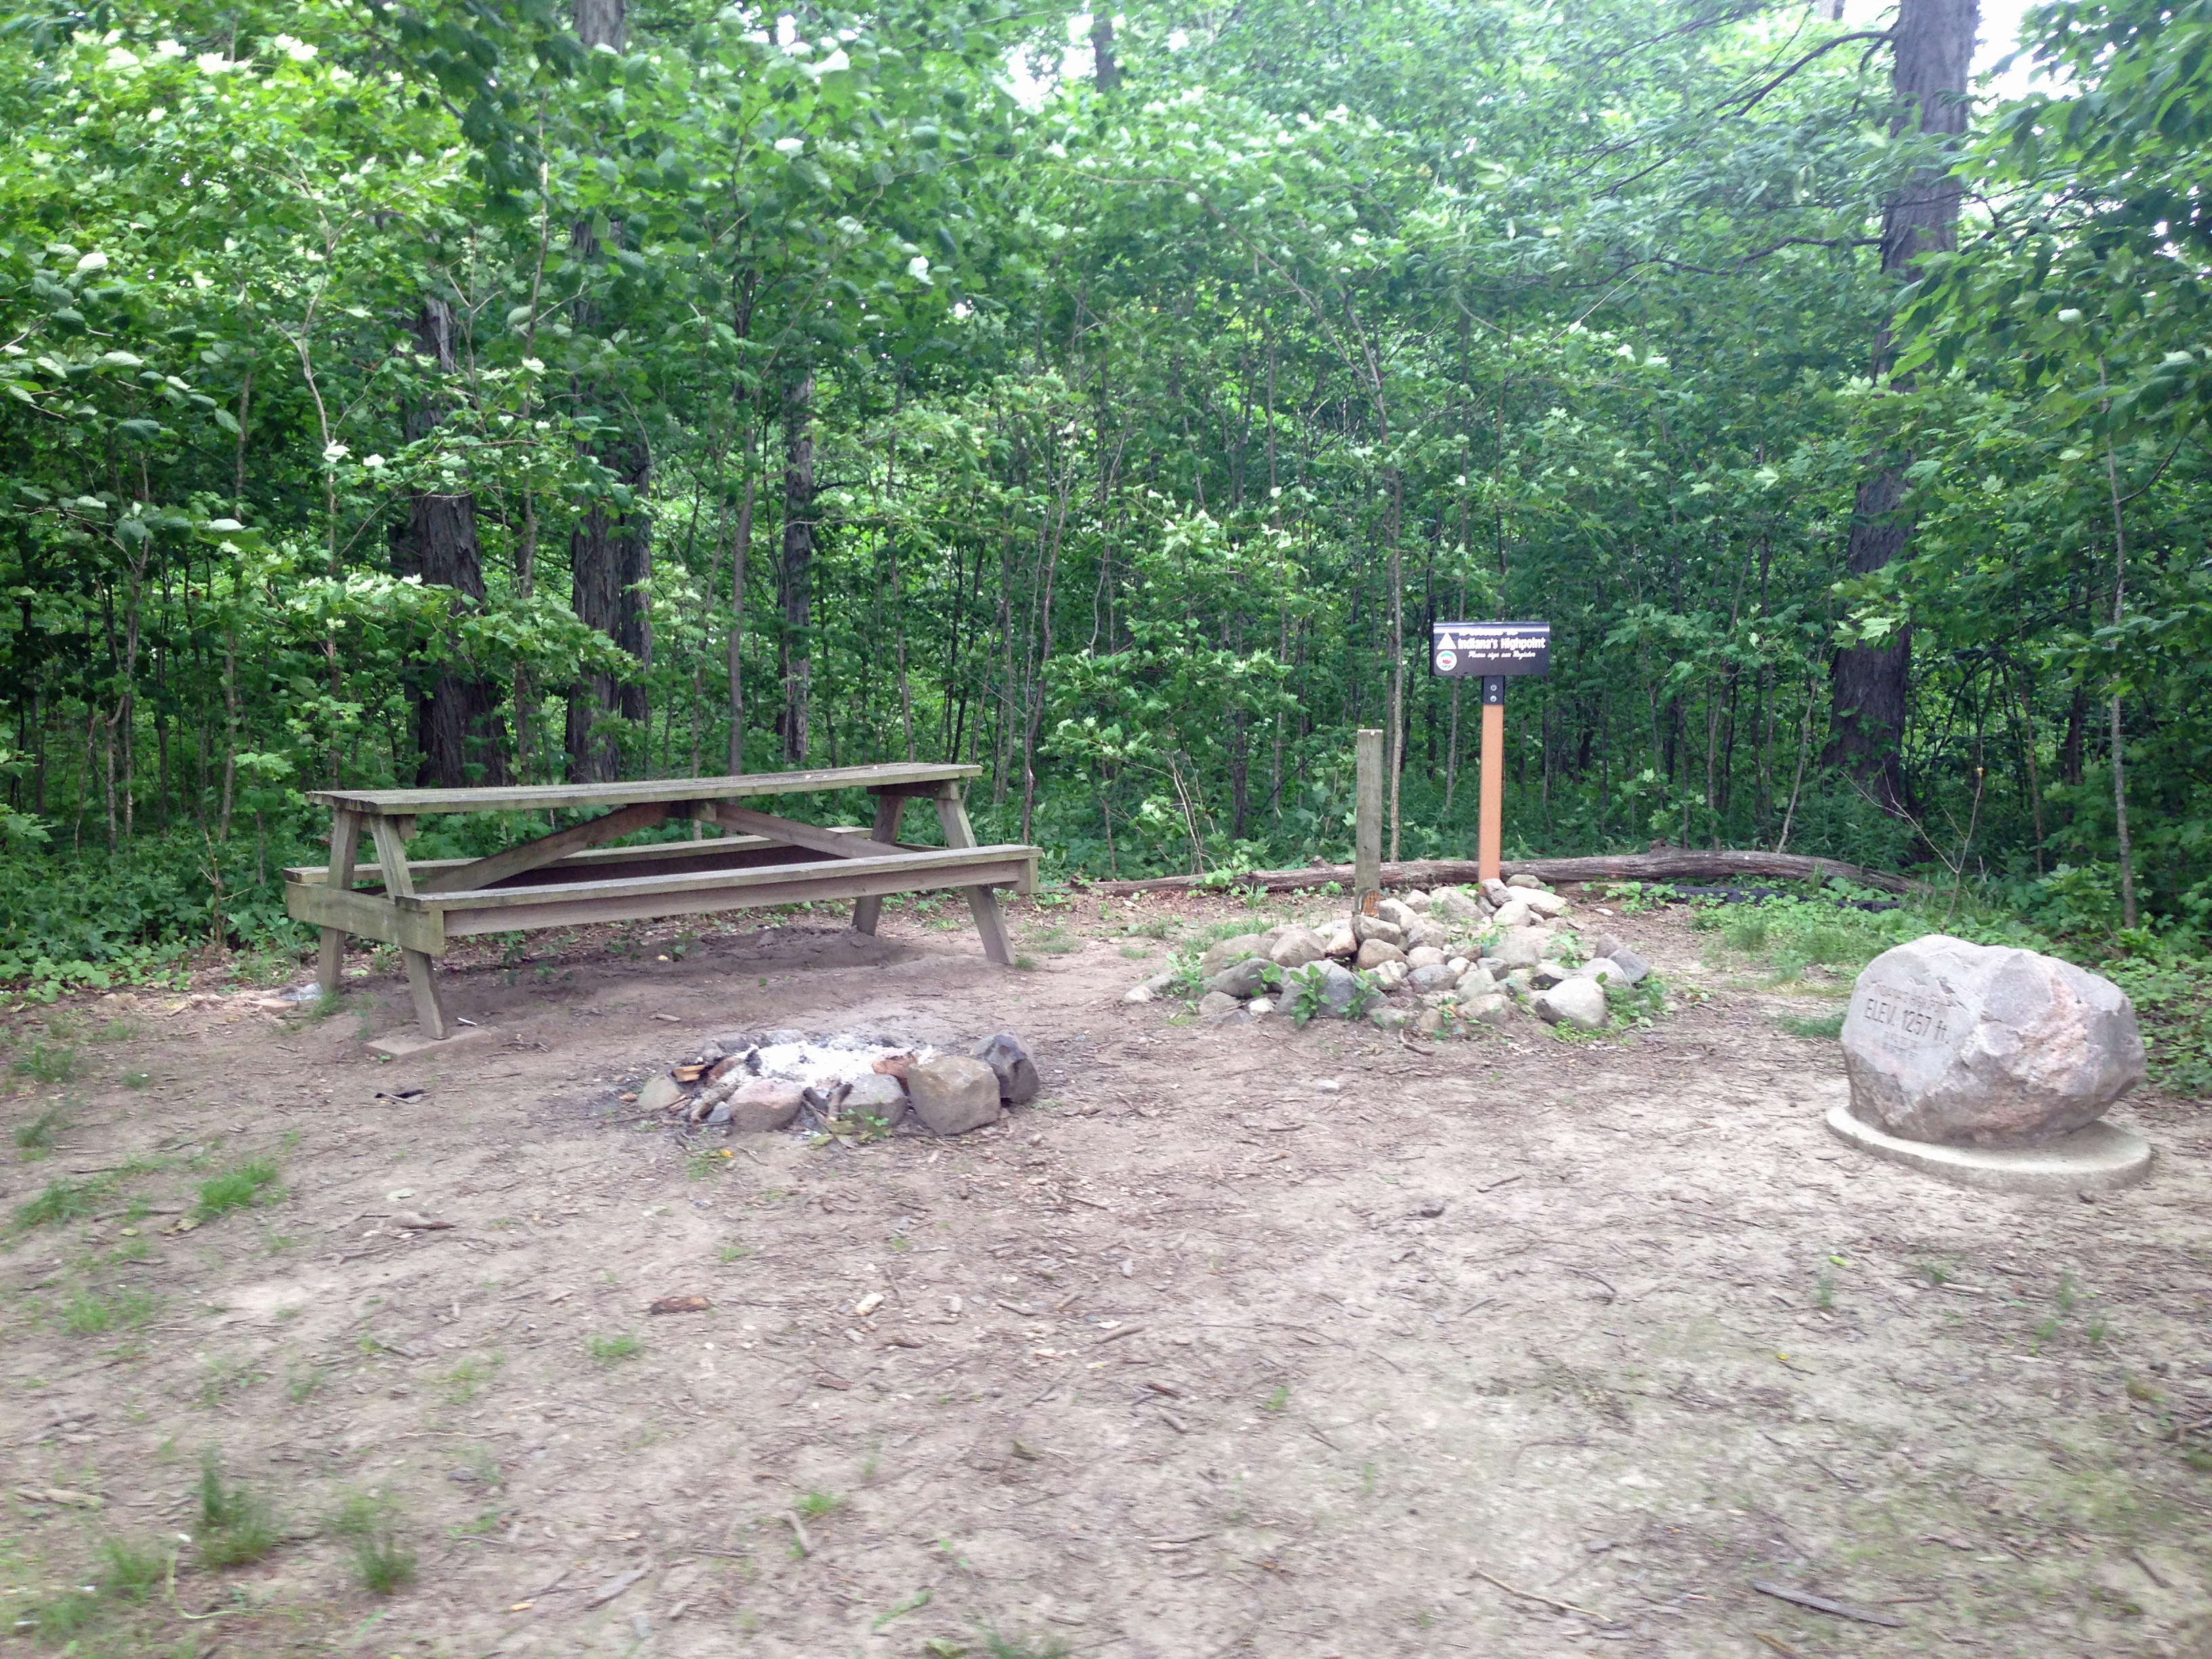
1239 1341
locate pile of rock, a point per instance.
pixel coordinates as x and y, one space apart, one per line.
1451 958
761 1081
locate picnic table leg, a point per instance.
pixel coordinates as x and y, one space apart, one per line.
345 840
982 903
889 808
422 981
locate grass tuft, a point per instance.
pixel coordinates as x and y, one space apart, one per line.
241 1189
236 1523
1830 1026
131 1571
35 1140
383 1559
62 1200
89 1314
609 1350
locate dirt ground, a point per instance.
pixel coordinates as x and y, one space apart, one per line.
1248 1340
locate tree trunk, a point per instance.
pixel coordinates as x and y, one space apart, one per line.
797 565
610 552
457 717
1934 46
1108 72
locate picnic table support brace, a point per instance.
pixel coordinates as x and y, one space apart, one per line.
982 903
890 808
345 840
422 980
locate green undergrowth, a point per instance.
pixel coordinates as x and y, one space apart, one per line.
2165 973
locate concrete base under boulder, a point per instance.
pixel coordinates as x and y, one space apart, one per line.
2100 1157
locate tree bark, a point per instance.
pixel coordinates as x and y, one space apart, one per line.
1934 45
610 552
798 570
1109 71
456 726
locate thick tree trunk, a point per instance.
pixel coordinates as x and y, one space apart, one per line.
798 572
456 726
610 552
1934 46
1109 70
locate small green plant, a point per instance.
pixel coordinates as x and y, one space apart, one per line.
236 1523
47 1062
1824 1293
383 1559
1828 1026
35 1140
1746 933
1024 960
62 1200
131 1571
1277 1401
2066 1296
136 1079
470 1378
998 1646
241 1189
89 1314
1933 1271
818 1503
739 1252
303 1383
707 1163
611 1350
63 1614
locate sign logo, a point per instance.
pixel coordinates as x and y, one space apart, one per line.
1481 649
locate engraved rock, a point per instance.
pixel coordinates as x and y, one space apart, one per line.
1985 1045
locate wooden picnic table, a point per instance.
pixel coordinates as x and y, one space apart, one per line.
570 876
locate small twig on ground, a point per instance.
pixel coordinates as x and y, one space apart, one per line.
1780 1647
798 1531
1822 1604
1548 1601
1611 1296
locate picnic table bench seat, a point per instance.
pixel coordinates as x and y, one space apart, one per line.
569 876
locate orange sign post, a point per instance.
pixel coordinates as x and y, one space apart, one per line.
1491 651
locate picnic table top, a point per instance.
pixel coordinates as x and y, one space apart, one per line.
540 797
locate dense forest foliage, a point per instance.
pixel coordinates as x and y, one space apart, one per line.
498 392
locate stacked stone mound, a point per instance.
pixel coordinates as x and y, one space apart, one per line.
723 1085
1452 960
1977 1045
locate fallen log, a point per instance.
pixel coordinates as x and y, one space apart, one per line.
1670 864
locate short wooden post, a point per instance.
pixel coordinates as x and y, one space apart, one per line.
1367 820
345 840
889 806
1494 777
982 903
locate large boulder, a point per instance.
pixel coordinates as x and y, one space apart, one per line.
659 1094
1981 1045
1017 1071
1227 952
953 1094
1341 941
1433 976
1577 1002
1297 947
1543 903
